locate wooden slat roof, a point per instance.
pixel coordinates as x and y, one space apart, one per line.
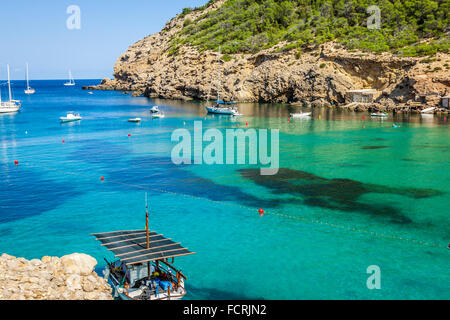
131 246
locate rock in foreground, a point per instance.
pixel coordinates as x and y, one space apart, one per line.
70 277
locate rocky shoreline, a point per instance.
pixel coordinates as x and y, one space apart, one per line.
316 76
70 277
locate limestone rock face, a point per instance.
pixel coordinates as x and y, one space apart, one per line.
317 76
79 263
71 277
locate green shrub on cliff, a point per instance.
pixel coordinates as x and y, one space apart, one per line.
247 26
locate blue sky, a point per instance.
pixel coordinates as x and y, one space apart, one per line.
36 32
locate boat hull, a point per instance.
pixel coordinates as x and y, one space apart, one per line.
301 115
375 115
69 120
9 107
9 110
123 294
225 111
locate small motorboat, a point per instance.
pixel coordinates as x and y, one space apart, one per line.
428 110
136 120
70 117
301 115
154 109
90 92
158 115
379 115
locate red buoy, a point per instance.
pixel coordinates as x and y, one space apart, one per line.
63 141
261 212
246 124
102 178
129 134
16 162
237 125
364 117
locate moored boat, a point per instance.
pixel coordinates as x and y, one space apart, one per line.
70 117
301 115
143 270
11 105
221 107
154 109
29 90
158 115
135 120
71 80
428 110
379 115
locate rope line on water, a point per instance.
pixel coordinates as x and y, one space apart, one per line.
287 216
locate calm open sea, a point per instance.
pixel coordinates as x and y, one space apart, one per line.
350 193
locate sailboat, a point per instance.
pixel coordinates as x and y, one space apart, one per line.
29 90
71 80
11 105
221 107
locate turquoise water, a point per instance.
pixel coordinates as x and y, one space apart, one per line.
350 193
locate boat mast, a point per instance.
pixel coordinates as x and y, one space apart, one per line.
9 85
147 230
28 83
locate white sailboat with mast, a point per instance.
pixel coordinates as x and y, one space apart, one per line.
221 107
29 90
11 105
71 80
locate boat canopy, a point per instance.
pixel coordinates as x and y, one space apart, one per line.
131 246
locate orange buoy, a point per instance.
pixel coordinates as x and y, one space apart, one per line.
16 162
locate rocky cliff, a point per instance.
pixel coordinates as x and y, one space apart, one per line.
319 75
70 277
